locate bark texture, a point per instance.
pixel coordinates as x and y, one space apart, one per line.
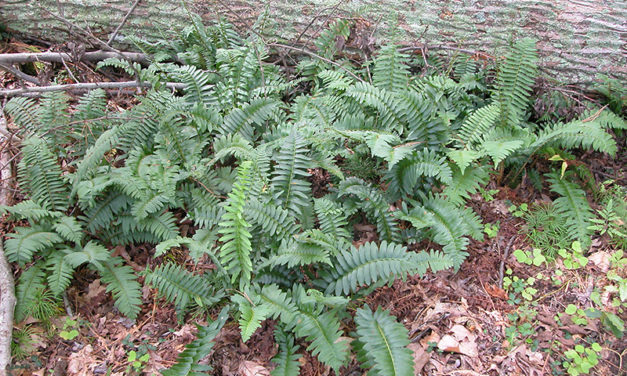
577 39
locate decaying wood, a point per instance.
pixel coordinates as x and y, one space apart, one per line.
83 87
7 292
577 39
58 57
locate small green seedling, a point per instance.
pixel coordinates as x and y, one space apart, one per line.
69 331
534 257
137 363
491 229
489 194
581 360
573 258
518 211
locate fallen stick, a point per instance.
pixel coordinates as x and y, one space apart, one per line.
7 284
84 86
59 57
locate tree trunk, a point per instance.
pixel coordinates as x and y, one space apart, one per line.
577 39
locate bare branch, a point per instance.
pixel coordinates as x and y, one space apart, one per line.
83 87
59 57
117 29
19 74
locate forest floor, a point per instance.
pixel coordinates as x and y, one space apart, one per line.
488 318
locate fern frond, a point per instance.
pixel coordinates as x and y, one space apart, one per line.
30 210
41 176
383 343
241 120
122 283
197 87
274 220
291 190
188 362
251 315
577 134
326 43
465 183
69 229
390 109
573 207
107 141
60 273
24 112
181 287
31 281
26 241
323 331
516 76
391 71
368 264
287 358
305 250
374 204
332 219
478 124
236 246
404 176
280 303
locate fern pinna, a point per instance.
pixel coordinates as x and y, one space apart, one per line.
236 159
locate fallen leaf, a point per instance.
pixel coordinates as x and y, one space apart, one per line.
496 292
79 362
421 357
448 343
250 368
601 259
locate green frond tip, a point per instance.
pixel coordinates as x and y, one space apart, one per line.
122 283
382 343
573 206
287 358
370 263
26 241
251 315
235 237
40 175
188 362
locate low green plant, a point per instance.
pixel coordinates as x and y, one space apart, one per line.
491 229
136 362
609 222
518 211
573 257
488 194
533 257
581 359
516 287
22 343
545 231
70 329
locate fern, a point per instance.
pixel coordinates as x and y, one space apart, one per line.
180 287
251 315
236 247
478 124
241 120
332 219
30 281
273 220
382 343
26 241
60 273
514 81
573 206
41 176
389 107
291 191
373 202
122 283
188 362
287 358
405 175
369 264
391 71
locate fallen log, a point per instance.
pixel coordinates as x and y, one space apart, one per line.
577 39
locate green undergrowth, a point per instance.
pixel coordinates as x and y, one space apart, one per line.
232 156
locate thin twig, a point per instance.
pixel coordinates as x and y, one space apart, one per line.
117 29
312 54
84 86
58 57
445 47
502 266
19 74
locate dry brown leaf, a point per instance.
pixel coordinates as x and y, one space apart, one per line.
250 368
601 259
95 290
78 362
448 343
421 357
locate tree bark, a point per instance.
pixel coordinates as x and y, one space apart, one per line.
577 39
